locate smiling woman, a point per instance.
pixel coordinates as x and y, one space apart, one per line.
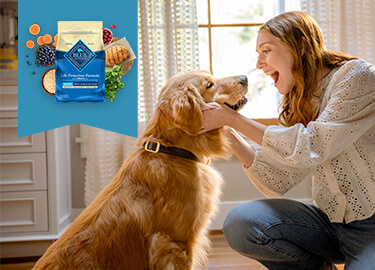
327 126
227 42
279 69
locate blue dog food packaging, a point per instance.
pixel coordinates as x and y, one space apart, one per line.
80 62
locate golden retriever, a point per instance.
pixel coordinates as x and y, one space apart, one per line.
156 211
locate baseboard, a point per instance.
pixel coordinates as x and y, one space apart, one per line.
25 249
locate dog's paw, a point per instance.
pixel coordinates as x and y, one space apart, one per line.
164 254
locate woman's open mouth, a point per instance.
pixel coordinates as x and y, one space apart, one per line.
238 105
274 75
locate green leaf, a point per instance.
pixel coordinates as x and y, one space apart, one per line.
113 82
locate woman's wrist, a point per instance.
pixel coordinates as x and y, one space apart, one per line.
240 148
229 117
248 127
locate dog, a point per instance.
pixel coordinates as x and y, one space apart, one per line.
156 211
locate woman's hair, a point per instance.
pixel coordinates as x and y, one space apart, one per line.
291 28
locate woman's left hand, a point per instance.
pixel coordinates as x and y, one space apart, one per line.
215 116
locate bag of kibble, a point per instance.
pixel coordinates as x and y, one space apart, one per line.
80 62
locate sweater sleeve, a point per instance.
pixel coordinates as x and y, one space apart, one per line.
271 177
289 153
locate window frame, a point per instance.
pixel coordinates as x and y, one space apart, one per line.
209 26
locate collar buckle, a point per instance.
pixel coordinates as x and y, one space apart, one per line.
150 149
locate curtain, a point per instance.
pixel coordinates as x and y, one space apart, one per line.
167 45
347 25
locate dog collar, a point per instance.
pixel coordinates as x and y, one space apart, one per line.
155 147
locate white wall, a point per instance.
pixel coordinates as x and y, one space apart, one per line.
238 187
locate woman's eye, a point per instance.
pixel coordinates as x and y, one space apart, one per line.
265 51
209 85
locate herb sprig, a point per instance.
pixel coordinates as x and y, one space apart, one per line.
113 82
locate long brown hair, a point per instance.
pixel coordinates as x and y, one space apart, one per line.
291 28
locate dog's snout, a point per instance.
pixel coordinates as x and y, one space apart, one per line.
243 80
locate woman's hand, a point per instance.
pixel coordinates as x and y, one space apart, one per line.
215 116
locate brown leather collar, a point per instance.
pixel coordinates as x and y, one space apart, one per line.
155 147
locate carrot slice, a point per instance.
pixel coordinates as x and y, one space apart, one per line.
34 29
30 44
55 37
39 40
47 38
55 44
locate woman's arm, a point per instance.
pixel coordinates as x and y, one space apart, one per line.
244 152
250 128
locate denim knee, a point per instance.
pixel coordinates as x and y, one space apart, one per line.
243 231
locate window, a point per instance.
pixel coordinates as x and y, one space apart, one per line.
227 39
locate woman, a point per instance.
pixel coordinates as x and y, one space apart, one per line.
328 131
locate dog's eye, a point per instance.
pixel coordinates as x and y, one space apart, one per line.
209 85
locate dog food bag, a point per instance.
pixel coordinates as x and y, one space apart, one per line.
80 62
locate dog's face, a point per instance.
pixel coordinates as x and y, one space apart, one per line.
184 95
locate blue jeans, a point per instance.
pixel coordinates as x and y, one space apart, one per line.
288 235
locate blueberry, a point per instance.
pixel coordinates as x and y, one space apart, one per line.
34 72
28 62
27 55
46 55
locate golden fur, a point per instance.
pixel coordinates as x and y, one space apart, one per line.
155 213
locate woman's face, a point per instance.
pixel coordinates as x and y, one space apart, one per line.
276 60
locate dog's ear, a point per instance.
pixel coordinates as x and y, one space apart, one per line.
186 109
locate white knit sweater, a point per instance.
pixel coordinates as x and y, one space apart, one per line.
337 149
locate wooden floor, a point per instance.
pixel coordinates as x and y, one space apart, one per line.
222 258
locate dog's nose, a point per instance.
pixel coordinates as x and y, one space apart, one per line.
243 80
